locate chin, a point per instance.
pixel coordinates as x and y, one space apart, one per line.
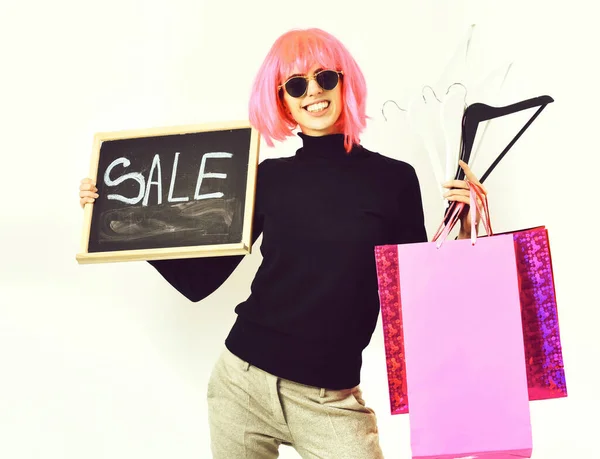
328 128
322 126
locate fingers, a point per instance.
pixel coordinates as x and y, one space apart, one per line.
460 195
457 192
470 176
87 192
456 184
87 184
461 184
88 187
84 201
460 198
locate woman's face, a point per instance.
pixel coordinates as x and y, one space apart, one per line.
317 111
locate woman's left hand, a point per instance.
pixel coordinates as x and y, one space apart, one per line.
459 191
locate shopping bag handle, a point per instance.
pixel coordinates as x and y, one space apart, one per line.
479 206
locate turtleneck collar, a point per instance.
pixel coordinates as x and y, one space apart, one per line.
328 147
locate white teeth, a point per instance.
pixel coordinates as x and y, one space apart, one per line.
317 107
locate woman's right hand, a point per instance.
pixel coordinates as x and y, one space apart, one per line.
87 192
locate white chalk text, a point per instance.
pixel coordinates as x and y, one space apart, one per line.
154 180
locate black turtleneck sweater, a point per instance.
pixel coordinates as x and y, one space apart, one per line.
314 300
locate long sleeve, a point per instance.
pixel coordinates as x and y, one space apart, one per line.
412 219
197 278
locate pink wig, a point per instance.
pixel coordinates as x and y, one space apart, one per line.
304 49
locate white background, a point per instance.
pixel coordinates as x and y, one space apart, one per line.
108 361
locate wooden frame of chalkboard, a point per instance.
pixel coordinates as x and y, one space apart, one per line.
209 171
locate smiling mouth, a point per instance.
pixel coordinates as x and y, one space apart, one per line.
317 107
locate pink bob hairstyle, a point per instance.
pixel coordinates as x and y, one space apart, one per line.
304 49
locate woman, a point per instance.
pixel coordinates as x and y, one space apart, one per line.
290 371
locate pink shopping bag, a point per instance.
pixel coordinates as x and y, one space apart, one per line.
463 344
464 353
539 314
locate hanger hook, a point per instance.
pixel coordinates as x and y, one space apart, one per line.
395 103
432 90
464 87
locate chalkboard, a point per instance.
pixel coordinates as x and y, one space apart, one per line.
175 192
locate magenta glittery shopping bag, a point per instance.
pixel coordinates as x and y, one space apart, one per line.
463 349
543 351
539 313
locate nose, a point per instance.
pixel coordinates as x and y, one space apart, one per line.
313 88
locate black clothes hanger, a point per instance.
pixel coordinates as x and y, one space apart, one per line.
478 113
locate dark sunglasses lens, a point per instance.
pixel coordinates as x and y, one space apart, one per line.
296 87
328 79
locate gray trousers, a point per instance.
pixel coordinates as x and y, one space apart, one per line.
252 412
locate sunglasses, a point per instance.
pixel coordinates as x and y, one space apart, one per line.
297 86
